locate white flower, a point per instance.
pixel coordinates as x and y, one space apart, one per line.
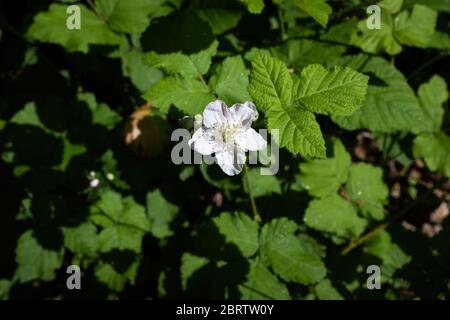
227 133
94 183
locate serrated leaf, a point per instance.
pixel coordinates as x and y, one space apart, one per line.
271 89
262 185
114 280
50 26
193 65
161 213
299 131
34 261
125 223
189 95
432 95
339 91
435 149
325 291
81 239
281 250
416 28
319 10
390 104
128 15
230 83
120 237
270 83
240 230
322 177
190 263
261 284
334 215
366 188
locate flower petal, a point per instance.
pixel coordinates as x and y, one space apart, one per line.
215 112
243 113
231 162
202 142
251 140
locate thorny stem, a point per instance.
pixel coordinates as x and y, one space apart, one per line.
247 186
358 241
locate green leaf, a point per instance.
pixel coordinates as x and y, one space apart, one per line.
322 177
70 151
263 185
319 10
240 230
281 250
438 5
435 149
416 28
270 83
28 116
230 83
339 91
392 6
254 6
261 284
412 29
377 40
34 261
193 65
120 237
271 89
101 113
128 15
189 95
125 223
335 216
161 213
81 239
142 76
432 95
5 285
325 291
390 104
190 263
392 255
114 280
220 20
50 26
299 53
299 131
366 188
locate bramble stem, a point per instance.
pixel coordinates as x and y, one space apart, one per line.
247 186
281 21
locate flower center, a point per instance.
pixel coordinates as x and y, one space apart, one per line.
228 133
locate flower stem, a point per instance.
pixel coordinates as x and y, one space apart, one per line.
281 22
247 186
